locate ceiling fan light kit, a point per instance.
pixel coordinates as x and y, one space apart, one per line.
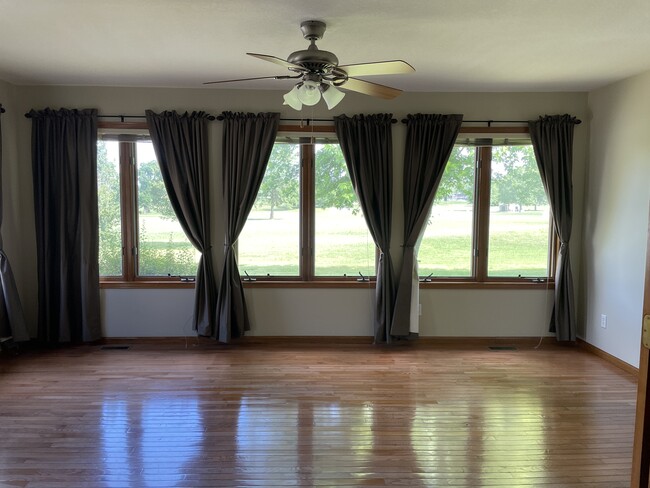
320 75
310 94
291 99
331 95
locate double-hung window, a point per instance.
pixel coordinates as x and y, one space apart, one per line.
140 238
306 224
490 220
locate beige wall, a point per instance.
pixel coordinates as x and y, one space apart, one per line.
616 219
304 311
18 222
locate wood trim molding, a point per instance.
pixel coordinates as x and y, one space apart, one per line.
102 124
628 368
426 342
468 129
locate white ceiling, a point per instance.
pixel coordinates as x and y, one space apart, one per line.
454 45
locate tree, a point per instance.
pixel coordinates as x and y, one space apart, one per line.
110 232
333 185
458 178
152 195
516 178
281 184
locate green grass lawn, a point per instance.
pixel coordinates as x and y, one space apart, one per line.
518 244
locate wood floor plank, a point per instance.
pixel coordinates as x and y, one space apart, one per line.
344 415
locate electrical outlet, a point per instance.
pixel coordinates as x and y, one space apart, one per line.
603 321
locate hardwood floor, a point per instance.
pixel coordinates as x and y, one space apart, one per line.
343 415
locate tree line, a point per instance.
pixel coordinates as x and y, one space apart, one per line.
515 179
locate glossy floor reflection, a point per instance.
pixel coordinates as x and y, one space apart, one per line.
149 443
305 415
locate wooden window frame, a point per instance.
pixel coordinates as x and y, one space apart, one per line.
129 220
307 279
481 229
307 233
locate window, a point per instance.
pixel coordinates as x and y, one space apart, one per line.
490 220
140 238
306 223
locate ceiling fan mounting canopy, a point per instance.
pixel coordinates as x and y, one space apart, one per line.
313 30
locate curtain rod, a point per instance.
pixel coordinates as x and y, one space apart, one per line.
306 121
122 117
490 122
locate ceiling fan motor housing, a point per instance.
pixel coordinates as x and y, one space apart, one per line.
313 59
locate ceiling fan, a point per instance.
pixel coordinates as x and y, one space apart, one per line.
319 73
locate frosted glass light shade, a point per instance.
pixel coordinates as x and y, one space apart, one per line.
291 99
308 93
332 96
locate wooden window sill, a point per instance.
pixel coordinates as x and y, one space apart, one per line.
488 285
470 285
146 284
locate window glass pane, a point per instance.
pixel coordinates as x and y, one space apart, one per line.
108 201
269 244
343 245
519 215
446 246
163 247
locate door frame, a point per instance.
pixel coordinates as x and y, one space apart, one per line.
641 450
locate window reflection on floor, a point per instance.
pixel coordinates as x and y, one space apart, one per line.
267 433
480 448
150 443
115 426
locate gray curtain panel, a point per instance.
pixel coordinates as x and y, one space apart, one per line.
429 141
181 146
64 165
247 144
367 146
12 320
552 138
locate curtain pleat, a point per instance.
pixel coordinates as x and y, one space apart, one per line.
247 144
64 164
429 141
181 146
366 144
552 138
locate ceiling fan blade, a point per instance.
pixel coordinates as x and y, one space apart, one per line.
379 68
281 77
276 60
373 89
